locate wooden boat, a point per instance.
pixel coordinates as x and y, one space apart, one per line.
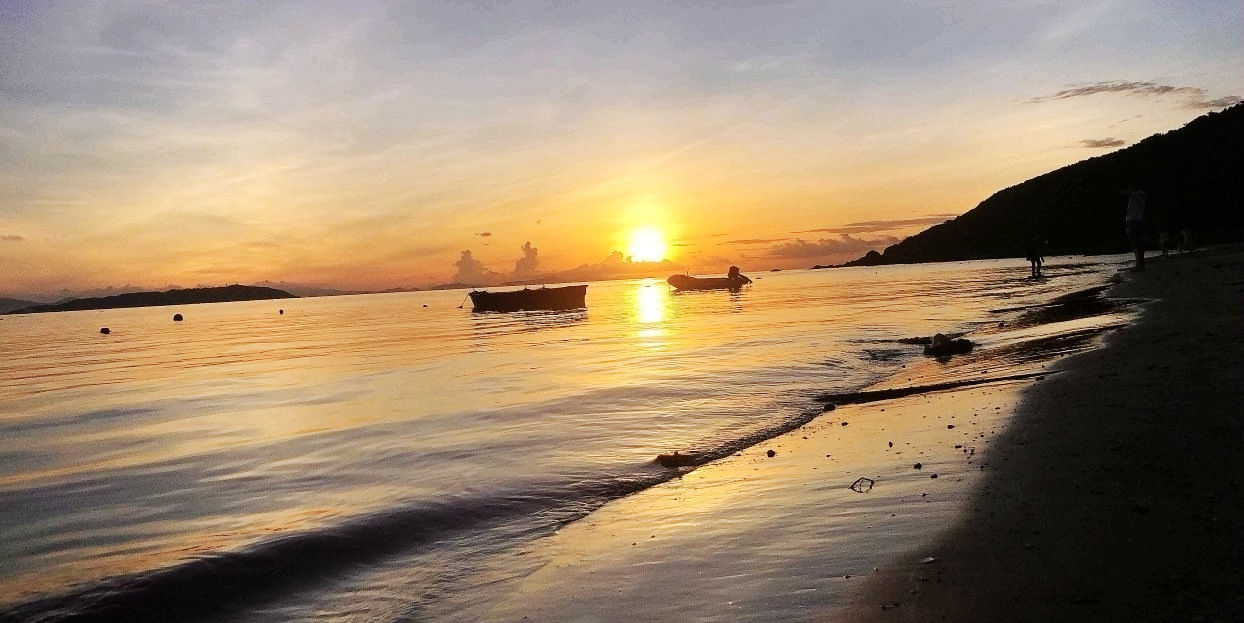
565 297
733 281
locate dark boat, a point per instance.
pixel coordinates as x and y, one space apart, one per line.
565 297
734 281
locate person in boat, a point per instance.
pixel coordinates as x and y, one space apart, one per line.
737 277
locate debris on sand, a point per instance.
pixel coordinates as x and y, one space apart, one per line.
863 485
923 341
942 346
676 460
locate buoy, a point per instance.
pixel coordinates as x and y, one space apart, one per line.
176 317
105 331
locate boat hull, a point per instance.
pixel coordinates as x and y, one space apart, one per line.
684 282
566 297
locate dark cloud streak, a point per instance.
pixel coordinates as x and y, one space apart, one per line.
1095 143
868 227
842 245
1196 96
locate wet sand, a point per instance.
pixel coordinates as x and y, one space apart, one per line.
1115 492
771 538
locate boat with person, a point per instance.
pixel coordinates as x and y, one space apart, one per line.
542 298
732 281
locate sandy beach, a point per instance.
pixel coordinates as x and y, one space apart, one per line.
1117 490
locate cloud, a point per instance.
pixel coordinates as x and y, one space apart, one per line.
842 245
526 265
471 270
484 234
1195 97
1094 143
11 238
866 227
716 261
755 241
613 266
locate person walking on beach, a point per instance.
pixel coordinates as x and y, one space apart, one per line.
1134 223
1036 255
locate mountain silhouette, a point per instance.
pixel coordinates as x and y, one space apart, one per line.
1190 175
186 296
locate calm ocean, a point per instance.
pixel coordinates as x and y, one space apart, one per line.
385 452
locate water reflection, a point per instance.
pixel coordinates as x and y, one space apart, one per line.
650 302
486 324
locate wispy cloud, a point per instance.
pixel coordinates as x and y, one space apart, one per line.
753 241
1194 97
11 238
1097 143
1220 102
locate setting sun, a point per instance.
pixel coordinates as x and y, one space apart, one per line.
647 245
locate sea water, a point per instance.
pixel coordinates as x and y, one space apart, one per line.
383 457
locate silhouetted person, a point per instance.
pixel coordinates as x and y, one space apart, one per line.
1134 223
1186 242
1036 255
1163 221
737 277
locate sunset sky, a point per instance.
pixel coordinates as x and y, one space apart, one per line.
368 145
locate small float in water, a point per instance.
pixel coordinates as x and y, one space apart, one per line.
732 281
565 297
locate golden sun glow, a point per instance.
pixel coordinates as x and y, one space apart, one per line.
647 245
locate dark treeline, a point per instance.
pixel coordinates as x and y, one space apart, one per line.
171 297
1190 175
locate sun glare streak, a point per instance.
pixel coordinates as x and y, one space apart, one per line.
647 245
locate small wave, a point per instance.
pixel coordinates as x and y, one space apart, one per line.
861 397
228 582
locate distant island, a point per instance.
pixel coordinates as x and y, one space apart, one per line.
1190 175
186 296
7 305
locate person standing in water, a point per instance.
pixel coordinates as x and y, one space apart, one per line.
1134 223
1036 255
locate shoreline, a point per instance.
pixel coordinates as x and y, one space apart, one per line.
1118 488
781 512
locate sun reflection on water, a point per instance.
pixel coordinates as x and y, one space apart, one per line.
650 302
650 312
